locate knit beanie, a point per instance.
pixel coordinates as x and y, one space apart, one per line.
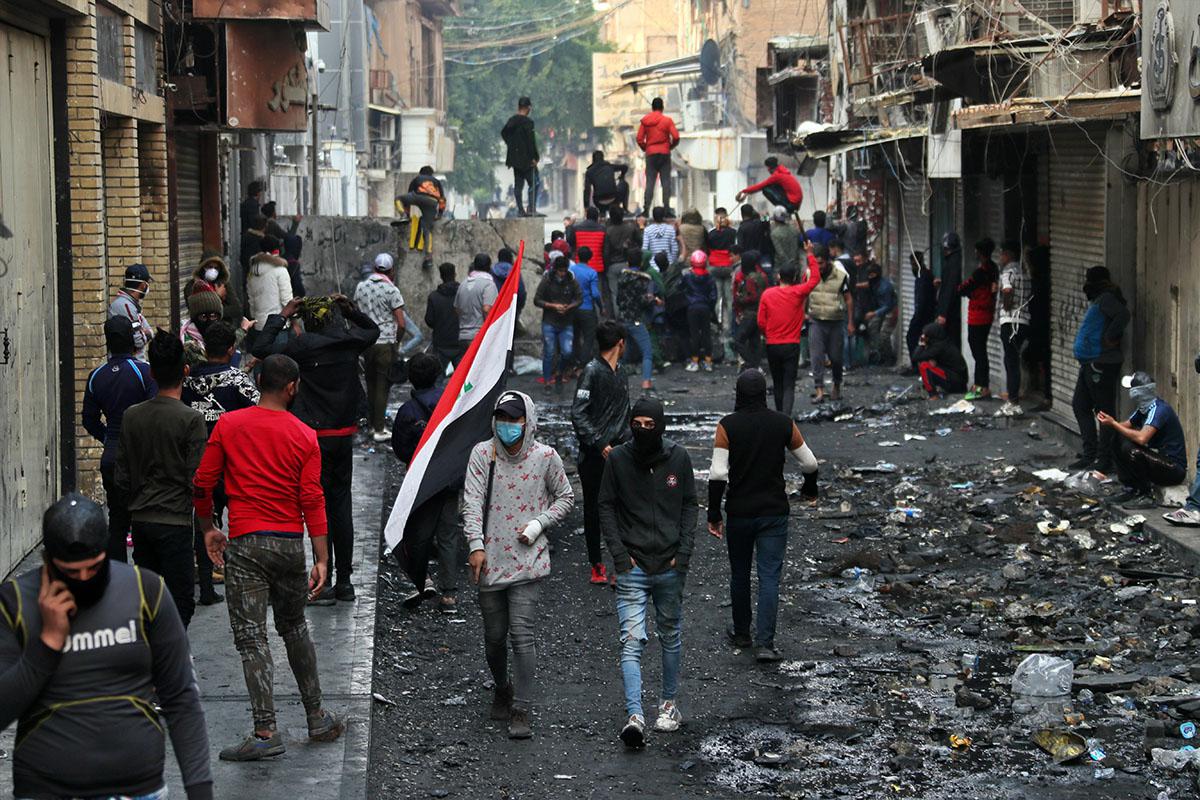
204 301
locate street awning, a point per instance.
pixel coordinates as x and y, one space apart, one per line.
661 72
823 144
791 73
395 112
1110 104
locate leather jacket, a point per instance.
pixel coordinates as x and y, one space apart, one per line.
600 411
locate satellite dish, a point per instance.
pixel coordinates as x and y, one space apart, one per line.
710 62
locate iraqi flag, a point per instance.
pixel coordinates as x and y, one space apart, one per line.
462 419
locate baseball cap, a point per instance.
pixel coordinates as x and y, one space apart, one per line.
137 272
1138 378
510 404
383 263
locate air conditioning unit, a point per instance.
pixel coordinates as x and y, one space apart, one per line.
701 113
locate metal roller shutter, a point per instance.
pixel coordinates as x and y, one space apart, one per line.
1077 196
188 225
914 238
989 222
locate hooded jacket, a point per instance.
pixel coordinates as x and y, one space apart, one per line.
648 506
268 287
600 410
783 177
518 133
330 392
500 272
558 289
980 293
948 304
411 419
701 289
657 134
441 317
944 355
1103 325
619 240
530 485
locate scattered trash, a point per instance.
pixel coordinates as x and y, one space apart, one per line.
904 514
914 437
457 700
768 759
960 741
961 407
1083 539
1176 760
863 581
1040 675
527 365
880 467
381 699
1050 528
963 486
1063 746
888 444
1104 773
1188 730
943 431
564 777
1052 474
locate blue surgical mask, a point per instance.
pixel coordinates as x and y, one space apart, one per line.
510 433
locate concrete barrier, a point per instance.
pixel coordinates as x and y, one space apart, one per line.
336 248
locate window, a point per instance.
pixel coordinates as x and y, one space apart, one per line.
146 78
110 50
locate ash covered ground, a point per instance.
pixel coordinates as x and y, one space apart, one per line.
896 680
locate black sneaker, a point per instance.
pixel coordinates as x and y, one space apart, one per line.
1141 502
741 640
413 600
324 598
253 748
767 655
344 592
1126 496
210 597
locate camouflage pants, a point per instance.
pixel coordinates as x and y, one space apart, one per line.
262 570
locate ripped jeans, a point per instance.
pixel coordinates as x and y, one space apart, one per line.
634 590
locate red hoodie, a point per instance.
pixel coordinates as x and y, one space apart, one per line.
781 309
657 134
787 181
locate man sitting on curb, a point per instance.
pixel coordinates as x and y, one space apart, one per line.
1150 449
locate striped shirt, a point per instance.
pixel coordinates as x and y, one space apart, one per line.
659 237
1017 311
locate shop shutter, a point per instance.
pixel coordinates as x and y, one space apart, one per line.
913 236
188 225
1077 195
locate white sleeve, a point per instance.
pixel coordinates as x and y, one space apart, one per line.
808 462
719 471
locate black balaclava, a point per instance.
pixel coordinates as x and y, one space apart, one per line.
75 529
751 390
648 444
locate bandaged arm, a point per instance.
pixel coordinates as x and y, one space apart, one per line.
718 474
808 462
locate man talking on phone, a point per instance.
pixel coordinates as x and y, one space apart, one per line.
92 652
271 465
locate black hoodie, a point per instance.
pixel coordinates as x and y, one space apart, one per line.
948 304
441 317
648 506
518 133
944 355
758 439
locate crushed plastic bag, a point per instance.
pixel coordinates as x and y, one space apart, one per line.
961 407
527 365
1041 675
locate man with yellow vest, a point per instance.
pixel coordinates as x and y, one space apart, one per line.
830 306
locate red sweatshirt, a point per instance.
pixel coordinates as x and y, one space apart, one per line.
781 309
786 180
271 465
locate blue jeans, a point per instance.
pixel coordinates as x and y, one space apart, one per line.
641 334
744 535
160 794
556 341
634 590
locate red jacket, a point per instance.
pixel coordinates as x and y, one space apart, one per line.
591 235
657 134
784 177
781 309
980 294
271 464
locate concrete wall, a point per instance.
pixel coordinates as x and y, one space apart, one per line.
336 248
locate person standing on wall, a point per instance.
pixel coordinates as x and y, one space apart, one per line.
657 137
379 298
521 138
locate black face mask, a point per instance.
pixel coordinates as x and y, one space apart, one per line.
202 325
86 593
648 443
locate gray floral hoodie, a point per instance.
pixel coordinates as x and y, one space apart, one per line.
529 485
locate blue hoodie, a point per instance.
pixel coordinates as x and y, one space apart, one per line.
411 419
500 272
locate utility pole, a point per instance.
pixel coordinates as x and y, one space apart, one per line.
315 207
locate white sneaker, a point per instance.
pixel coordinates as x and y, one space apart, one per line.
634 732
669 718
692 367
708 366
381 436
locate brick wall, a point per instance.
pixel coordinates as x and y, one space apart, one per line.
118 197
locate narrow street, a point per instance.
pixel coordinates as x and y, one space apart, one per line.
881 672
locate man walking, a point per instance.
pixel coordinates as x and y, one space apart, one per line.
1098 351
441 317
521 139
599 415
657 137
474 300
830 309
111 389
749 283
271 465
781 319
91 654
162 441
128 304
1016 294
516 489
335 334
433 525
380 299
213 388
589 235
586 316
748 456
558 295
780 187
648 509
879 321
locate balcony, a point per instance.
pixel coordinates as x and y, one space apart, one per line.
312 14
440 8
